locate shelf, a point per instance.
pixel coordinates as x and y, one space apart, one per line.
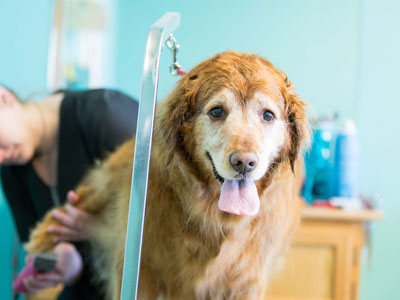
318 213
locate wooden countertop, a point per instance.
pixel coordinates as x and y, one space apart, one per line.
319 213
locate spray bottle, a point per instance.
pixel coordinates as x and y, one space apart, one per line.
345 181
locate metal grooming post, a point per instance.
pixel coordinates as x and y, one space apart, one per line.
158 34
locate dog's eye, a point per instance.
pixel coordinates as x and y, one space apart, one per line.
217 113
268 115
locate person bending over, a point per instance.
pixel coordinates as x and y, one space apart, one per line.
45 149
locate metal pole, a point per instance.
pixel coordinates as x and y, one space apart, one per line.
158 34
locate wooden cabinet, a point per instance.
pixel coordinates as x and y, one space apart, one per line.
324 260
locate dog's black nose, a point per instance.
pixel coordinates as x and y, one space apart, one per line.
243 162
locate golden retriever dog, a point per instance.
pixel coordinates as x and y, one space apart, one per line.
222 201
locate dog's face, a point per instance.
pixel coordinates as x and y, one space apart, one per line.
235 116
241 138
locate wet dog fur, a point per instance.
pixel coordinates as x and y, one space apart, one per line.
192 249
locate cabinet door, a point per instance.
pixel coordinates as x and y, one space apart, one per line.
322 263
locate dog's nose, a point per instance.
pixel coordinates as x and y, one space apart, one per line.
243 162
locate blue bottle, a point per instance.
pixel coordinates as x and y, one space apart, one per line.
317 185
345 181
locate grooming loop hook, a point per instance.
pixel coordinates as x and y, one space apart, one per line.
175 68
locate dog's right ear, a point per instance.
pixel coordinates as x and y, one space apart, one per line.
175 115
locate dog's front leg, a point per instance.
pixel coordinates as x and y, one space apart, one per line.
147 282
116 279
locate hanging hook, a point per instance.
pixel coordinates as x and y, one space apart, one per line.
175 68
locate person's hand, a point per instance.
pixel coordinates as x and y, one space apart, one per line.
67 270
74 221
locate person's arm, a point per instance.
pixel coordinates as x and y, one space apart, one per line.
67 271
69 262
19 201
74 221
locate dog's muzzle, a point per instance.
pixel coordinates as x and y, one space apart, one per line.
216 175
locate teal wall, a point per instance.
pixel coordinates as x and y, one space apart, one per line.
24 34
341 55
377 107
6 249
24 28
315 42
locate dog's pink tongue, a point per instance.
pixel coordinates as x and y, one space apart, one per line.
239 197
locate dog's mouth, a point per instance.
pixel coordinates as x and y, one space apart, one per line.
238 196
216 174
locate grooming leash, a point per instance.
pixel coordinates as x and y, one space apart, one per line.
175 68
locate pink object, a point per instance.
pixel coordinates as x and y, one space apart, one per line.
180 72
29 270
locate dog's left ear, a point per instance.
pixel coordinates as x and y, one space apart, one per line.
299 129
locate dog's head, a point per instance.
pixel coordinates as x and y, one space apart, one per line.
233 119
